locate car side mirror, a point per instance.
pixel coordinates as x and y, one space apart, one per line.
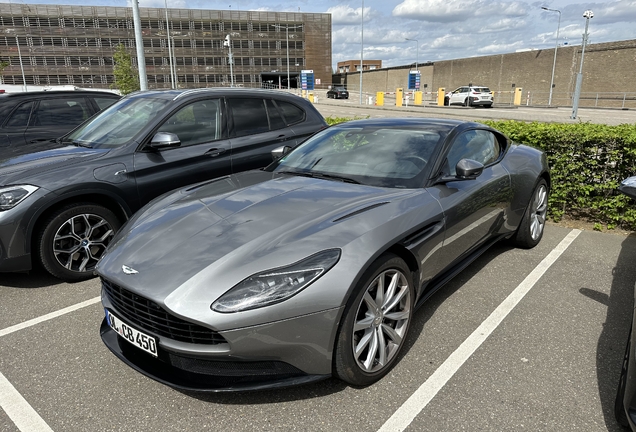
466 169
164 140
279 152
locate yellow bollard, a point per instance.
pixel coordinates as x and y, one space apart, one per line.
441 93
517 100
311 97
379 98
399 95
304 93
417 98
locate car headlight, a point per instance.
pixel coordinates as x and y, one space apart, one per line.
276 285
11 196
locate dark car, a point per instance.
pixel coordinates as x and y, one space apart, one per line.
31 121
314 266
338 92
62 206
625 404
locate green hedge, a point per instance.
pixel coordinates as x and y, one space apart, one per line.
587 162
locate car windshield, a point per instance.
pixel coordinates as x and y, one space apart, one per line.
117 124
376 156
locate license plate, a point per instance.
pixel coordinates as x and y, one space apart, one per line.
132 335
485 97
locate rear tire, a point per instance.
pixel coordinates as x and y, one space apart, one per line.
619 408
74 238
530 230
375 322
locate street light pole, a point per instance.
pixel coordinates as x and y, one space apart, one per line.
556 46
172 80
287 41
361 46
139 42
228 43
588 14
417 51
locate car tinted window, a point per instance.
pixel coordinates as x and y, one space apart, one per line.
60 112
104 102
20 117
482 89
384 157
119 123
291 112
249 116
275 119
479 145
196 123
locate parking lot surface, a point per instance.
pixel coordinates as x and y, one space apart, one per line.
521 340
352 108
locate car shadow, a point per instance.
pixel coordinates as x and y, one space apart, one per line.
36 278
333 385
610 348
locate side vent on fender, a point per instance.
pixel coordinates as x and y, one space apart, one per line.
362 210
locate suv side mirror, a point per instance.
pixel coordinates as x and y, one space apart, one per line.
279 152
164 140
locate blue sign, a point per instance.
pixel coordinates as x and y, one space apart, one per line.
414 80
307 79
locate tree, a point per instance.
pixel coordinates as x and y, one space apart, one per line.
126 77
3 64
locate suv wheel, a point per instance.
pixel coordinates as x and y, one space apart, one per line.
74 238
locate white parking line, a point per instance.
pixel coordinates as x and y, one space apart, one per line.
404 415
18 409
49 316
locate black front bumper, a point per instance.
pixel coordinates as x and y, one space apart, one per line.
204 375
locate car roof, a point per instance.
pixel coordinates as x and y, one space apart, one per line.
57 92
396 122
216 91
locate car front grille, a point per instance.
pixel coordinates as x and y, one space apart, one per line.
149 316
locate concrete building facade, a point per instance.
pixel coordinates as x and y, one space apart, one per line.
354 65
62 45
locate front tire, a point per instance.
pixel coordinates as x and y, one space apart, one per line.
74 238
376 322
530 230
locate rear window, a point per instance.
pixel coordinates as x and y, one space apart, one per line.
482 89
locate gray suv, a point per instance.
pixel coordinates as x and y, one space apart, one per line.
61 207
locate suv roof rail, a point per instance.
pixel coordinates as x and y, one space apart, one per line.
191 91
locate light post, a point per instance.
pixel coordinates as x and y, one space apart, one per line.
172 79
417 51
287 41
361 46
228 43
139 42
588 14
556 46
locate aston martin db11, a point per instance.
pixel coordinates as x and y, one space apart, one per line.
314 266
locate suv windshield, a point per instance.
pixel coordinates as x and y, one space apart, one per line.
118 124
384 157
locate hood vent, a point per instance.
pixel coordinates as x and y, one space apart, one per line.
362 210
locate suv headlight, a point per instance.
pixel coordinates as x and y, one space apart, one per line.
276 285
11 196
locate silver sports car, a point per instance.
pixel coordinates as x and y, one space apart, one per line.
314 266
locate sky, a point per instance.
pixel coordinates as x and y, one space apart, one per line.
444 29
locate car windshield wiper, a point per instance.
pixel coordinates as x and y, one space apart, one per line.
320 175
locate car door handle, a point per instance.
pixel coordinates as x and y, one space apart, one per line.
214 152
38 140
282 137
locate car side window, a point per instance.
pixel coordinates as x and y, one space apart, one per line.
249 116
20 116
195 123
479 145
291 112
104 102
60 112
275 119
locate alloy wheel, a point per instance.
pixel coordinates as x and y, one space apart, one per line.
80 242
538 212
381 321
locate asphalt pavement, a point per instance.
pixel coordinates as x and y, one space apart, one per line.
352 108
521 340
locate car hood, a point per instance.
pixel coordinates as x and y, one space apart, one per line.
224 231
20 168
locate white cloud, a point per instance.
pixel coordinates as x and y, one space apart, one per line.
344 14
447 11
